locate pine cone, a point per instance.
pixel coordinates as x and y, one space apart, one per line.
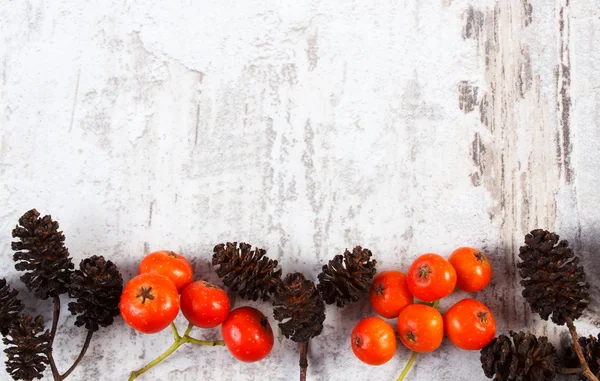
529 359
28 348
10 306
591 351
248 272
41 252
298 302
339 284
97 285
552 280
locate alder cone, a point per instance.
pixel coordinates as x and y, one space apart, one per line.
525 358
298 302
249 273
554 284
346 278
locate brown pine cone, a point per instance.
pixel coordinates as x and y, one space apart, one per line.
10 306
248 272
298 300
97 286
42 254
27 348
345 278
553 282
529 359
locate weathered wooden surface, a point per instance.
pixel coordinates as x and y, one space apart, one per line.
304 127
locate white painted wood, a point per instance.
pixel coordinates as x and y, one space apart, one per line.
304 127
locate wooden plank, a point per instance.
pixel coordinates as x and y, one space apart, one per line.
303 127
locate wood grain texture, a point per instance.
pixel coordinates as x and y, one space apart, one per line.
304 127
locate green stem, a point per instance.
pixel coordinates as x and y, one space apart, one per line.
163 356
178 341
411 360
425 303
175 332
433 304
188 330
414 354
204 343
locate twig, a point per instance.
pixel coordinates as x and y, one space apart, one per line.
303 360
84 349
584 365
55 316
570 370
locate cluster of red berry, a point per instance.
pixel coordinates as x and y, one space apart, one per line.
469 324
151 301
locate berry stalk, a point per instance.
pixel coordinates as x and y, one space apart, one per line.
409 364
178 341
